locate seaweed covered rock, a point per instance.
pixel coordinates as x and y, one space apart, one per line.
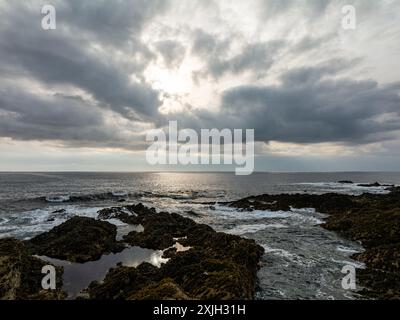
142 283
213 265
21 276
166 289
79 239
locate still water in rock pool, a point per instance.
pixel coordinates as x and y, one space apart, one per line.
77 276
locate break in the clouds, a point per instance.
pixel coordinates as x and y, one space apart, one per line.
112 70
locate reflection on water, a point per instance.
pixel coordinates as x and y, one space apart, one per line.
77 276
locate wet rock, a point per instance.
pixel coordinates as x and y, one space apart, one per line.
330 202
21 276
192 213
166 289
79 239
376 184
214 266
60 211
369 185
346 182
160 229
372 220
113 213
169 253
217 265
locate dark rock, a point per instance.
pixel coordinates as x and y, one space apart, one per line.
60 211
323 203
21 276
192 213
376 184
346 182
369 185
159 228
217 265
79 239
121 213
169 253
166 289
372 220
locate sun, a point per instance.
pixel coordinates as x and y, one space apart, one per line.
170 81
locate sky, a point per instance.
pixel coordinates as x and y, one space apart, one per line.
320 97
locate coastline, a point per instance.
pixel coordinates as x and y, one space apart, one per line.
369 219
187 260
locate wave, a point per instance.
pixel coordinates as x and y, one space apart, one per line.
87 197
58 199
346 188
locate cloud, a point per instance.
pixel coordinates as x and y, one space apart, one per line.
255 57
284 68
26 116
111 22
64 57
307 109
172 52
68 120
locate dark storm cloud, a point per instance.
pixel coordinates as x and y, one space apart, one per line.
68 119
306 109
257 58
254 57
98 48
111 22
26 116
64 56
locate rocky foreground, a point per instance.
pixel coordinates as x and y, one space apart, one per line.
212 266
372 220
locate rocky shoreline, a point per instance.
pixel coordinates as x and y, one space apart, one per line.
200 263
196 261
370 219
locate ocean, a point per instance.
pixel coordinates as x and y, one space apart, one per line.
302 260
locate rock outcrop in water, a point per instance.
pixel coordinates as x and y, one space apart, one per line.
200 262
373 220
212 266
79 239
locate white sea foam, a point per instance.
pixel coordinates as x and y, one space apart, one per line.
355 264
58 199
235 214
30 223
119 193
347 188
247 228
347 250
